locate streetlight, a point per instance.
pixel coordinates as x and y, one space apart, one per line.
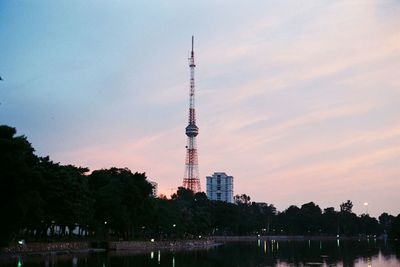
366 207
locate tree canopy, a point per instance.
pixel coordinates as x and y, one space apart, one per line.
41 199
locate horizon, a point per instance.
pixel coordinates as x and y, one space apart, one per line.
298 102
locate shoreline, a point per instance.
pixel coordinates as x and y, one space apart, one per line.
35 249
292 238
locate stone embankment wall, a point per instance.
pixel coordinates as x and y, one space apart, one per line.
253 238
147 245
135 246
47 247
223 239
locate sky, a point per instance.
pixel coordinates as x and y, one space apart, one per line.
298 100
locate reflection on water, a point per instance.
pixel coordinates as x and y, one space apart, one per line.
249 254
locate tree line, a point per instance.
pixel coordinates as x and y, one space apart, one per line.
44 200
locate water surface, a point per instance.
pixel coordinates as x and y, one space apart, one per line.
243 254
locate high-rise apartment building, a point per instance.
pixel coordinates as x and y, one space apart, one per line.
154 190
220 187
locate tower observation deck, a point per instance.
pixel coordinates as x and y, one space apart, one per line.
191 179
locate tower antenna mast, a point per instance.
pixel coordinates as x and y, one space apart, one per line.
191 179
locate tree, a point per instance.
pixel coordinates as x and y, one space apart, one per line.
183 194
242 199
346 206
68 200
19 183
290 221
395 229
310 218
122 201
330 221
347 219
386 221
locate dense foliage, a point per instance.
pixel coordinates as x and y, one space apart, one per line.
41 199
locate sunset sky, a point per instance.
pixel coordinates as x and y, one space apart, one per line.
298 100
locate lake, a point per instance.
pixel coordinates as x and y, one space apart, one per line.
241 254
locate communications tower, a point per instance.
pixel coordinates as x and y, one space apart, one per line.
191 180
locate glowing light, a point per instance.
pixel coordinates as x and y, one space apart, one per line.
366 207
265 246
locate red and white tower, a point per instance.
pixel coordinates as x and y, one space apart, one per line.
191 180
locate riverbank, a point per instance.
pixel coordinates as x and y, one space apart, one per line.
290 238
57 248
50 248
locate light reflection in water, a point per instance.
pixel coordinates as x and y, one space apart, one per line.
337 252
265 246
259 242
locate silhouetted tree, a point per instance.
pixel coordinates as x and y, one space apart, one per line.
386 221
122 201
346 206
19 183
395 229
37 196
242 199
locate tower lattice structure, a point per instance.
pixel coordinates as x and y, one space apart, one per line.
191 179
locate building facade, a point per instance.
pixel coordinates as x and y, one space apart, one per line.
154 190
220 187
